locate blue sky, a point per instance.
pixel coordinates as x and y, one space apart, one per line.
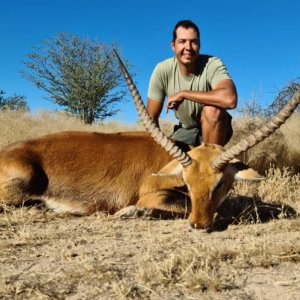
259 41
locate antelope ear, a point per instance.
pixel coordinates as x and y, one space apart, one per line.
240 171
249 174
173 168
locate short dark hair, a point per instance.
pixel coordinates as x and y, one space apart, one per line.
185 24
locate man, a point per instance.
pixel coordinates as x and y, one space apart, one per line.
198 87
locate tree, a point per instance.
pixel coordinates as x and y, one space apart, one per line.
283 97
14 102
80 75
254 108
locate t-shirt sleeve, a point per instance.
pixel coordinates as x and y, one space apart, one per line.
217 71
156 90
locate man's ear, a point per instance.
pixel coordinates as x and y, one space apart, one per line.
173 46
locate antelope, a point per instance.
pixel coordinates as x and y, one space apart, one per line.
127 173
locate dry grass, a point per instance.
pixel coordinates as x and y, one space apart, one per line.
254 254
282 149
19 125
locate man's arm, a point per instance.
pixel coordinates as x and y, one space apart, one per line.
222 95
154 109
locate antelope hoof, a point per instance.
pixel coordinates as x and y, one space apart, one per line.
128 212
132 212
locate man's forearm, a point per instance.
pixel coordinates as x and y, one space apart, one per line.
223 95
219 98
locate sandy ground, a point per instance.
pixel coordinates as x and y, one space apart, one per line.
45 256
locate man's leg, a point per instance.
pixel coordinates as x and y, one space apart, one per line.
187 136
216 125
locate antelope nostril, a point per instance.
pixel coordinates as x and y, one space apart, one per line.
200 228
194 226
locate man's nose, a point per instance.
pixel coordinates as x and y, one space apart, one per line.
188 45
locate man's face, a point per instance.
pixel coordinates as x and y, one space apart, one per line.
186 46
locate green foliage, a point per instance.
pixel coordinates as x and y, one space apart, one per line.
80 75
14 102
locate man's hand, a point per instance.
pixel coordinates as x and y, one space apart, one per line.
174 101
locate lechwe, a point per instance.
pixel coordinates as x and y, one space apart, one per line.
84 172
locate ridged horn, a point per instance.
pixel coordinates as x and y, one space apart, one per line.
259 135
148 123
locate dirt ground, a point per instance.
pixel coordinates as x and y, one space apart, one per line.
254 253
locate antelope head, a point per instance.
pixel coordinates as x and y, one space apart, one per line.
208 170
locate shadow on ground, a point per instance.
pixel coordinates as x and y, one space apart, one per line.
249 210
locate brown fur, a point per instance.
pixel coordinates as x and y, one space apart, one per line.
85 172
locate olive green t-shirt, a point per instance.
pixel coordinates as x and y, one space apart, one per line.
167 80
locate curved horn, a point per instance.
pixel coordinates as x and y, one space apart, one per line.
148 123
259 135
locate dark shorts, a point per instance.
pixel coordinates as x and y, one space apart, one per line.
193 136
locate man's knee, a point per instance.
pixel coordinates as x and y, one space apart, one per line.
214 119
213 115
